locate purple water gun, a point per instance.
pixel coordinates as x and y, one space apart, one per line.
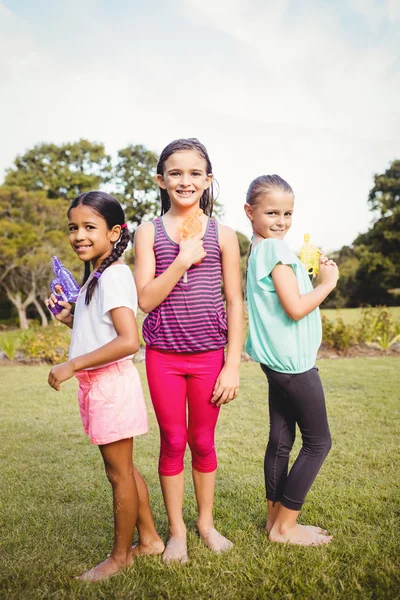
63 286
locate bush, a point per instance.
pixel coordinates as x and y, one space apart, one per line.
49 344
337 334
9 344
376 326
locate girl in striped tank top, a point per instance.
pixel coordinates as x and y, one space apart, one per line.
186 330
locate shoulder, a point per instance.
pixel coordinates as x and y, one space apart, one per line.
116 272
145 231
226 235
272 246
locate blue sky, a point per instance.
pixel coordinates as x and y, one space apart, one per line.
307 90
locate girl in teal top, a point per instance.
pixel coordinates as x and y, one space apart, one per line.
284 336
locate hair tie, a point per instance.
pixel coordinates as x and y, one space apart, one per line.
97 274
124 226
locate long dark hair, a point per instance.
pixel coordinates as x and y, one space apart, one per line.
207 198
107 207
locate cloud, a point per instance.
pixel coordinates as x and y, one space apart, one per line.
268 87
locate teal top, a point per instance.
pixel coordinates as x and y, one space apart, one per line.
275 340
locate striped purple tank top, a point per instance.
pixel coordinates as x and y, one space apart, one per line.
192 318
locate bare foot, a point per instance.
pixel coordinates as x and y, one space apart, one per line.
148 549
176 550
302 535
215 541
107 568
317 529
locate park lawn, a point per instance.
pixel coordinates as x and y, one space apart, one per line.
55 502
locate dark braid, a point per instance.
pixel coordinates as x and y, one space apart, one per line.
115 254
88 269
111 211
207 199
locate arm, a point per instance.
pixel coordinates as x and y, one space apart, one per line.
126 343
227 384
153 290
295 305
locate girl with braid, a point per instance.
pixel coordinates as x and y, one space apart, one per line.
104 339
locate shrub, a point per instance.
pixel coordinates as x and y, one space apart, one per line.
337 334
9 344
49 344
376 326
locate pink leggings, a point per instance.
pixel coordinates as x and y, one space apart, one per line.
173 377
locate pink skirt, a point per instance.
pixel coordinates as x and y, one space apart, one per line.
111 402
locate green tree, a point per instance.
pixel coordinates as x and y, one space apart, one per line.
32 230
369 270
61 171
135 184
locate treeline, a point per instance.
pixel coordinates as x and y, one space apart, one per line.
38 187
33 202
370 267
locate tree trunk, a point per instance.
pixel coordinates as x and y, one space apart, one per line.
20 305
41 312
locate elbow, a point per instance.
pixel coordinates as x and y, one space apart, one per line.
144 305
133 347
294 314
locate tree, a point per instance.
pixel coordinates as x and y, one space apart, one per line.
369 269
61 171
385 195
32 230
135 184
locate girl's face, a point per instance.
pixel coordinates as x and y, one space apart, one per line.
89 235
271 217
185 178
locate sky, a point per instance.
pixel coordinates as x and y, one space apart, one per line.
308 90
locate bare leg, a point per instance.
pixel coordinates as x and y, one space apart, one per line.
204 484
149 540
172 489
273 509
286 529
117 458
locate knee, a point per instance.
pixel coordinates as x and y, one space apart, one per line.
173 442
201 444
327 443
318 446
117 474
280 444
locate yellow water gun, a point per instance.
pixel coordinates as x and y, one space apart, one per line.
309 256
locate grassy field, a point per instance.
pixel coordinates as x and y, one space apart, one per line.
55 502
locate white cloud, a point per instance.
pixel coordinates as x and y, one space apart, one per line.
267 90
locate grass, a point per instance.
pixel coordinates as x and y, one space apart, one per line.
55 502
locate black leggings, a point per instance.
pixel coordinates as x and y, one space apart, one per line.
295 398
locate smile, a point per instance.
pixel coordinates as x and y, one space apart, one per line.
83 247
185 192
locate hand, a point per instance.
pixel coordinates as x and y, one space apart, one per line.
59 374
227 386
192 251
328 271
64 315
